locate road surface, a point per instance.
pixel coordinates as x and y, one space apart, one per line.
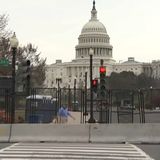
69 151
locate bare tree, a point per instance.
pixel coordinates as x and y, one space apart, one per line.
4 32
37 68
28 52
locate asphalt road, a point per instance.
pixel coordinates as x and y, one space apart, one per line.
69 151
152 150
3 145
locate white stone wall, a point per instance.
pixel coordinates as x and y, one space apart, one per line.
156 69
135 68
70 71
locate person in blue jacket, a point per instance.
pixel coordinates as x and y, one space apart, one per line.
63 115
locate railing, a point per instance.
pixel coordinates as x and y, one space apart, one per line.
119 106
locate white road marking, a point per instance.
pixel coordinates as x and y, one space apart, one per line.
66 151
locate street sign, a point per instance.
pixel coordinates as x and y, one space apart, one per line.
4 62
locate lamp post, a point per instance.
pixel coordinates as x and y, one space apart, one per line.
85 99
58 80
91 119
69 97
151 88
14 44
75 82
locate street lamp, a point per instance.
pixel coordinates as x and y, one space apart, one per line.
85 98
69 97
151 89
14 45
75 82
58 81
91 119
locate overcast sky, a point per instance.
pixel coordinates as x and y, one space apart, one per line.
54 26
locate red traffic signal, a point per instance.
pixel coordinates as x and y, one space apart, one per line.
95 82
102 69
94 85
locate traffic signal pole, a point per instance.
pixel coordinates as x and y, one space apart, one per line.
91 119
104 113
103 89
101 62
28 78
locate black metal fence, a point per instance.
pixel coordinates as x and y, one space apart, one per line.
119 106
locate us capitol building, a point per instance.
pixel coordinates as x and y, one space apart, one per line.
94 35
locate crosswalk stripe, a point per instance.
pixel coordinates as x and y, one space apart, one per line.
31 151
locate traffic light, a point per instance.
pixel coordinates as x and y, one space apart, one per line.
25 67
28 63
95 85
103 89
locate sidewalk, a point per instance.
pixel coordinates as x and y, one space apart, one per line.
77 116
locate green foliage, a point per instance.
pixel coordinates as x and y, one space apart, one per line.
123 80
127 80
143 81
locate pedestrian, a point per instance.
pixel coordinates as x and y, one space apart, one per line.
63 114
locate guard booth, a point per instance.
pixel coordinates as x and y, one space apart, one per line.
40 109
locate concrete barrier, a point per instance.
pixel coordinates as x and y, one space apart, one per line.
50 132
106 133
5 132
96 133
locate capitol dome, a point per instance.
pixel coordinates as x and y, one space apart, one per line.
94 35
93 26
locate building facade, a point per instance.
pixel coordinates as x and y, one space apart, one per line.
93 35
